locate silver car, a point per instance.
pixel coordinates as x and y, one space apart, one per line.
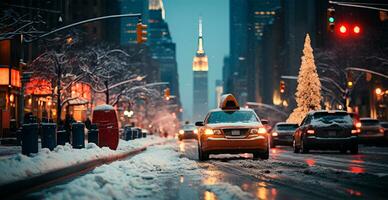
371 131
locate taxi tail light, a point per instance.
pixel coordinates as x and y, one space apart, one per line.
260 130
311 131
181 132
275 134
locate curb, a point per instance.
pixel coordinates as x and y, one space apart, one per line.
17 189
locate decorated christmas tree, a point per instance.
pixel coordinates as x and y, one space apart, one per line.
308 92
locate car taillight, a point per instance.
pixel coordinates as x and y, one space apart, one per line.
260 130
355 131
275 134
381 130
358 125
181 132
310 131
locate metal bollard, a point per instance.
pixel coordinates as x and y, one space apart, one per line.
63 137
93 134
49 139
30 139
78 135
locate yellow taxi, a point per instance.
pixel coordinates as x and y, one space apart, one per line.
230 129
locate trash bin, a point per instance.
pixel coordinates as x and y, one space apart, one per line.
30 139
93 134
63 137
78 135
128 133
139 133
49 139
19 134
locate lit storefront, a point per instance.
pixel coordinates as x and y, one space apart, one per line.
39 99
80 105
9 87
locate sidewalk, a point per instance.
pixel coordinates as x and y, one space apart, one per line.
17 166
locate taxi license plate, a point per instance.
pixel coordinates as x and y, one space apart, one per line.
235 132
332 133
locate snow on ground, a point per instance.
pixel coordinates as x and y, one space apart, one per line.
19 166
157 173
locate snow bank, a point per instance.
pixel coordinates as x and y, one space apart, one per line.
19 166
154 174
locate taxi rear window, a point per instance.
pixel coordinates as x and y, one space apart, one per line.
232 117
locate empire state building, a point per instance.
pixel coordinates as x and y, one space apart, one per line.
200 69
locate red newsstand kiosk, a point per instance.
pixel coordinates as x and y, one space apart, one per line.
108 128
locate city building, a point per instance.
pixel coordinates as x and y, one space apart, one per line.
161 46
200 70
247 22
219 92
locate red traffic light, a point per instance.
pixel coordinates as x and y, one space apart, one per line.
356 29
343 29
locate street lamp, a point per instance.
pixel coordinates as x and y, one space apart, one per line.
378 91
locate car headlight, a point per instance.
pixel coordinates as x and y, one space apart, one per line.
195 131
217 132
181 132
209 131
275 134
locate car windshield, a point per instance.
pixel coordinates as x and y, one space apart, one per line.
370 122
287 127
328 118
188 127
232 117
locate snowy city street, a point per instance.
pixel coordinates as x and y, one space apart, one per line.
193 100
172 171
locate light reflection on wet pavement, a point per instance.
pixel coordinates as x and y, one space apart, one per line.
268 187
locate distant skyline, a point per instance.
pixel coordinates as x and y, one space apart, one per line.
182 17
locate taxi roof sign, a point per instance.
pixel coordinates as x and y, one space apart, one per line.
228 101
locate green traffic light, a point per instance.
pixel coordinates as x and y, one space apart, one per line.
331 19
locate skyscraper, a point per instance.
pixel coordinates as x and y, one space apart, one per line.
200 69
162 48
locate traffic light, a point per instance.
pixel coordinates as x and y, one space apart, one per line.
356 29
330 19
349 80
141 32
167 93
282 87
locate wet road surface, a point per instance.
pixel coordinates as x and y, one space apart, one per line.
172 171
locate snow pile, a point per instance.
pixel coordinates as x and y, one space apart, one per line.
19 166
157 173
